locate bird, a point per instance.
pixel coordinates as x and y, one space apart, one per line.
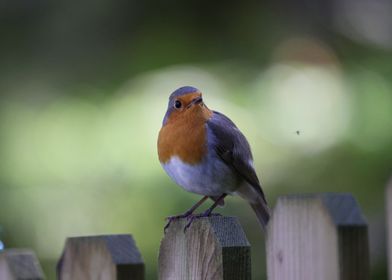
205 153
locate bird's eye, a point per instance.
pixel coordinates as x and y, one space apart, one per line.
177 104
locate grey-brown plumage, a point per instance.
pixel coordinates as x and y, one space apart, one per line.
234 150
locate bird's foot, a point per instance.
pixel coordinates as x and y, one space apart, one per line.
191 218
170 219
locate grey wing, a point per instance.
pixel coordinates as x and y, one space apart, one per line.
233 148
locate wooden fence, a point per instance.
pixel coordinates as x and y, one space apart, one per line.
317 236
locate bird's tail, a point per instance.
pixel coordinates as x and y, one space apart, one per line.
262 212
257 201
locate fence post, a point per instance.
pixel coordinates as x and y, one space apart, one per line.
20 264
389 226
106 257
320 236
212 248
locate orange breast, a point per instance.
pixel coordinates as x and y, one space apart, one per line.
185 136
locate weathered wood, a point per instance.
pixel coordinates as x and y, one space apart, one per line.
320 236
212 248
19 264
101 257
389 226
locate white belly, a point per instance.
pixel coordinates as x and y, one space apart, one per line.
211 178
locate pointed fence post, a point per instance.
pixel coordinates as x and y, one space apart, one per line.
320 236
19 264
106 257
212 248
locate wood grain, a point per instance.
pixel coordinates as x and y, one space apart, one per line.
212 248
101 257
321 236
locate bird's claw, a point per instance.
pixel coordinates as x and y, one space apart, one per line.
170 219
191 218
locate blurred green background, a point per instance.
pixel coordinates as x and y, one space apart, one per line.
84 87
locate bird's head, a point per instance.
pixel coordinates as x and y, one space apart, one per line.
185 102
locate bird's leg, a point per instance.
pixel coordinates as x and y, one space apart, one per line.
186 214
207 213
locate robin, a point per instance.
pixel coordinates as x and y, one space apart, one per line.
205 153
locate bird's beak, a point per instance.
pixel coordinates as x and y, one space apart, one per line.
195 101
